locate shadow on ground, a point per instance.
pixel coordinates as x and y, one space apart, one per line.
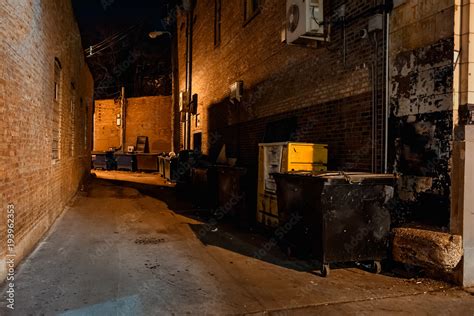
250 241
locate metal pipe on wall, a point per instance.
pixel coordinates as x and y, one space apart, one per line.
189 7
387 88
190 94
122 119
185 124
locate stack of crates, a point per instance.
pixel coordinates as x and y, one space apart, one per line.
283 157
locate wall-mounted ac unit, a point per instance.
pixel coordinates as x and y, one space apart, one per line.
236 91
305 21
184 101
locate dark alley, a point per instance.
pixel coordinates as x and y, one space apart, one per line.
147 254
236 157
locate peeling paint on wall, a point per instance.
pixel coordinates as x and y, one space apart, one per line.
421 130
422 80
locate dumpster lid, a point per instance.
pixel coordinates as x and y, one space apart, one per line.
342 177
147 154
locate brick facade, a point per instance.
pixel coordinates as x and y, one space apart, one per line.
33 34
327 97
282 80
334 93
145 116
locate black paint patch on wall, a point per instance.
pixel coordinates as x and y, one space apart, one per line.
422 80
422 158
421 129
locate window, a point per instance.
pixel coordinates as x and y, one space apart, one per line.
217 22
197 120
86 122
55 143
72 130
251 9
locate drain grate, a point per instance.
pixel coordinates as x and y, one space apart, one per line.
149 241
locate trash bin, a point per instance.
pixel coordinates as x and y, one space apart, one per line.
103 160
147 162
335 217
204 186
125 161
169 169
99 160
178 168
231 196
161 165
283 157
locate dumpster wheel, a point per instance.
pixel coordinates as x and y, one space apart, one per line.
325 270
377 267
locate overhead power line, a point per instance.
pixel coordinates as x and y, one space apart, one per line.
108 42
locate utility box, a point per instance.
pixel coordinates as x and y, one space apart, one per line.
280 158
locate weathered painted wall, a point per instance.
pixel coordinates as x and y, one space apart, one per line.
421 70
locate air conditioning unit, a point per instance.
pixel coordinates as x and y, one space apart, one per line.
184 101
236 91
305 21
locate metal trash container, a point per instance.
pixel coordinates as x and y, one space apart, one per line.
204 186
99 160
125 161
178 168
170 168
147 162
161 165
103 160
283 157
335 217
231 196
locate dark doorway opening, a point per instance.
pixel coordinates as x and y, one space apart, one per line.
197 142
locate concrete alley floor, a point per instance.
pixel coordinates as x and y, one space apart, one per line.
125 248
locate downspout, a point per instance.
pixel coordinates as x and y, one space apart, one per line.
372 73
190 94
189 71
387 86
175 119
185 132
122 117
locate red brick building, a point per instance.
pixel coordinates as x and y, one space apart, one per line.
46 94
145 116
382 91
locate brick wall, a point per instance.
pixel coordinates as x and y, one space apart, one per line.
39 186
106 130
330 97
145 116
283 80
327 98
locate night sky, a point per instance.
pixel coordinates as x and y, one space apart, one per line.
131 58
